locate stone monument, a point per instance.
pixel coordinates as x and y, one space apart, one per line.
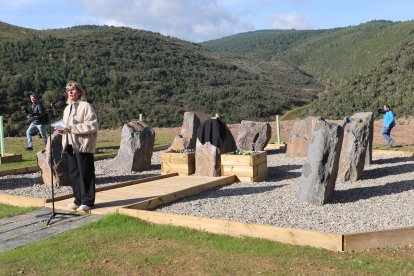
253 136
60 164
354 149
136 148
300 137
317 183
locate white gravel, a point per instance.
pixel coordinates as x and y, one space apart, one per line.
383 199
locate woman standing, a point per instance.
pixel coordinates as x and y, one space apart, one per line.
79 141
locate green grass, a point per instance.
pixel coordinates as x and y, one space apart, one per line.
108 143
10 211
119 245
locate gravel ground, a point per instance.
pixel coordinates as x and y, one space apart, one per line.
382 199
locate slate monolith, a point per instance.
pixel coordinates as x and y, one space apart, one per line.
188 133
60 164
253 136
136 148
300 137
354 149
317 183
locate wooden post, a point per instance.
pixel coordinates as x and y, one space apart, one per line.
140 117
278 129
1 137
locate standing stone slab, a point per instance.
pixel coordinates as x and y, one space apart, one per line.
368 118
135 151
319 173
188 134
253 136
300 137
354 148
60 164
207 160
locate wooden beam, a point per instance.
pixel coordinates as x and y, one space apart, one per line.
394 152
285 235
119 185
378 239
170 197
21 200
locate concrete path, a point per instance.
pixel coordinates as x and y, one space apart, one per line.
30 227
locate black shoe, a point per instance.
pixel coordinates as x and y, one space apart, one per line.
29 148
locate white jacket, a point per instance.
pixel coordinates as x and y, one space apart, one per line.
84 127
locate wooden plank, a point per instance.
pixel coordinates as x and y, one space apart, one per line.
174 157
257 178
21 201
186 169
134 182
275 146
10 158
378 239
239 170
262 170
260 158
119 185
243 160
170 197
393 152
285 235
107 201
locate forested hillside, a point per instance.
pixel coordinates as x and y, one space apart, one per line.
126 72
362 67
390 81
249 76
263 44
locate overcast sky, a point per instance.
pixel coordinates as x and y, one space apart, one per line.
201 20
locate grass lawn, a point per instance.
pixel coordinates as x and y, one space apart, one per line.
10 211
108 143
119 245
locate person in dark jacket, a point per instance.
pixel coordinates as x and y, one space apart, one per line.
37 118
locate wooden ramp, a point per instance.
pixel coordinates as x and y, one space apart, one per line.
150 194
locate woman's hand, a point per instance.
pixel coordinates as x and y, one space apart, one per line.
63 130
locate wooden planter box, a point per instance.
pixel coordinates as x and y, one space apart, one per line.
10 158
181 163
248 168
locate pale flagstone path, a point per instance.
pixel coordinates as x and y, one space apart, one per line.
30 227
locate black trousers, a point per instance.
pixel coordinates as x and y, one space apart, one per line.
82 176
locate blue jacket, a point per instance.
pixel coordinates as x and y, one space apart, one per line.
389 120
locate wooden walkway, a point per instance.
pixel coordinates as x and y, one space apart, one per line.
147 195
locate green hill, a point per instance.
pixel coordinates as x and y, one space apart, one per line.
128 72
390 81
248 76
362 67
11 32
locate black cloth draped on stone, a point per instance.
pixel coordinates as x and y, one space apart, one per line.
213 131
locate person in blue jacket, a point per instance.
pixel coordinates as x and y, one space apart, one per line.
389 123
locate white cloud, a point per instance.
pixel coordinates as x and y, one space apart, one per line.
289 21
194 20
